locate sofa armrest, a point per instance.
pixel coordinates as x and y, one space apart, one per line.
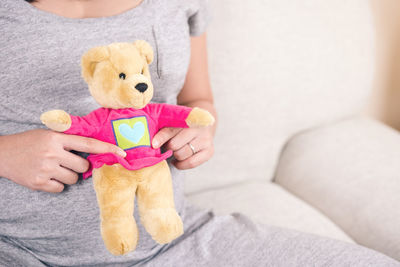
350 171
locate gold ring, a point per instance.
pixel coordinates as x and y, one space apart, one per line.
192 148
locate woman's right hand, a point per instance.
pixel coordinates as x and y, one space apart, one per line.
41 159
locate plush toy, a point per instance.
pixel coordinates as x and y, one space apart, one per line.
119 80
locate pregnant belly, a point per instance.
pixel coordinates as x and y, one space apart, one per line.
37 218
60 228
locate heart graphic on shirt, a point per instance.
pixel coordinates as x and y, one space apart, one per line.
133 134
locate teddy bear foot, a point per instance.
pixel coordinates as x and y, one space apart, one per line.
164 225
119 236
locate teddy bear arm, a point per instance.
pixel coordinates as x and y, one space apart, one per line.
180 116
199 118
57 120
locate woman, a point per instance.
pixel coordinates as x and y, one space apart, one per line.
57 224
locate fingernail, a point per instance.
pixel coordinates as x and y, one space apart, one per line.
155 143
122 153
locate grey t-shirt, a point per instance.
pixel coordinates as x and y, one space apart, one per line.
40 70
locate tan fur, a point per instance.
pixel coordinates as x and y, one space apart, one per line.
115 186
115 189
145 49
199 118
101 67
90 59
57 120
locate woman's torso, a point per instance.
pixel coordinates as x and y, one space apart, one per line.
40 70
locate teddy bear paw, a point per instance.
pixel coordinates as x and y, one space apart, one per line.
57 120
164 225
120 237
199 118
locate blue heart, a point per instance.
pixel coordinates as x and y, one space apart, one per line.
133 134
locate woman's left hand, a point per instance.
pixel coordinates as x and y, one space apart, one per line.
181 142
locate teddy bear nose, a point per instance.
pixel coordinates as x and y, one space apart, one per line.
141 87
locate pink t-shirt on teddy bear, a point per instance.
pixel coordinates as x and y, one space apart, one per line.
130 129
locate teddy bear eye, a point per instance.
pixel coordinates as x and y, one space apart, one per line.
142 71
122 76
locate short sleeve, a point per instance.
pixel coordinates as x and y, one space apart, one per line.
199 17
88 125
168 115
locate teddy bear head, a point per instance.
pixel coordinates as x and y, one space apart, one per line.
118 74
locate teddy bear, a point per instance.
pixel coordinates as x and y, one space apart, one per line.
119 80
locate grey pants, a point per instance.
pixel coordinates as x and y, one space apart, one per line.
234 240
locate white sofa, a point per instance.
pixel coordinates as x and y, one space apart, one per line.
291 79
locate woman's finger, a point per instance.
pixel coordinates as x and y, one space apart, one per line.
90 145
74 162
65 176
195 160
181 139
186 151
52 186
163 136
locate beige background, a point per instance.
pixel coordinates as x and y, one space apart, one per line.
385 101
279 67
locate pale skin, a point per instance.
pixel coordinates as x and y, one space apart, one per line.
48 163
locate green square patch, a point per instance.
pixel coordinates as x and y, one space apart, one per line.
131 133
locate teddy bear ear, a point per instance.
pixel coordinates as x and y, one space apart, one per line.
90 59
145 50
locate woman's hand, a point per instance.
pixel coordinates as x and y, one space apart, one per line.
178 140
41 159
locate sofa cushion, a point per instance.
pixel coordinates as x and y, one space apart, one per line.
268 203
351 172
278 67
